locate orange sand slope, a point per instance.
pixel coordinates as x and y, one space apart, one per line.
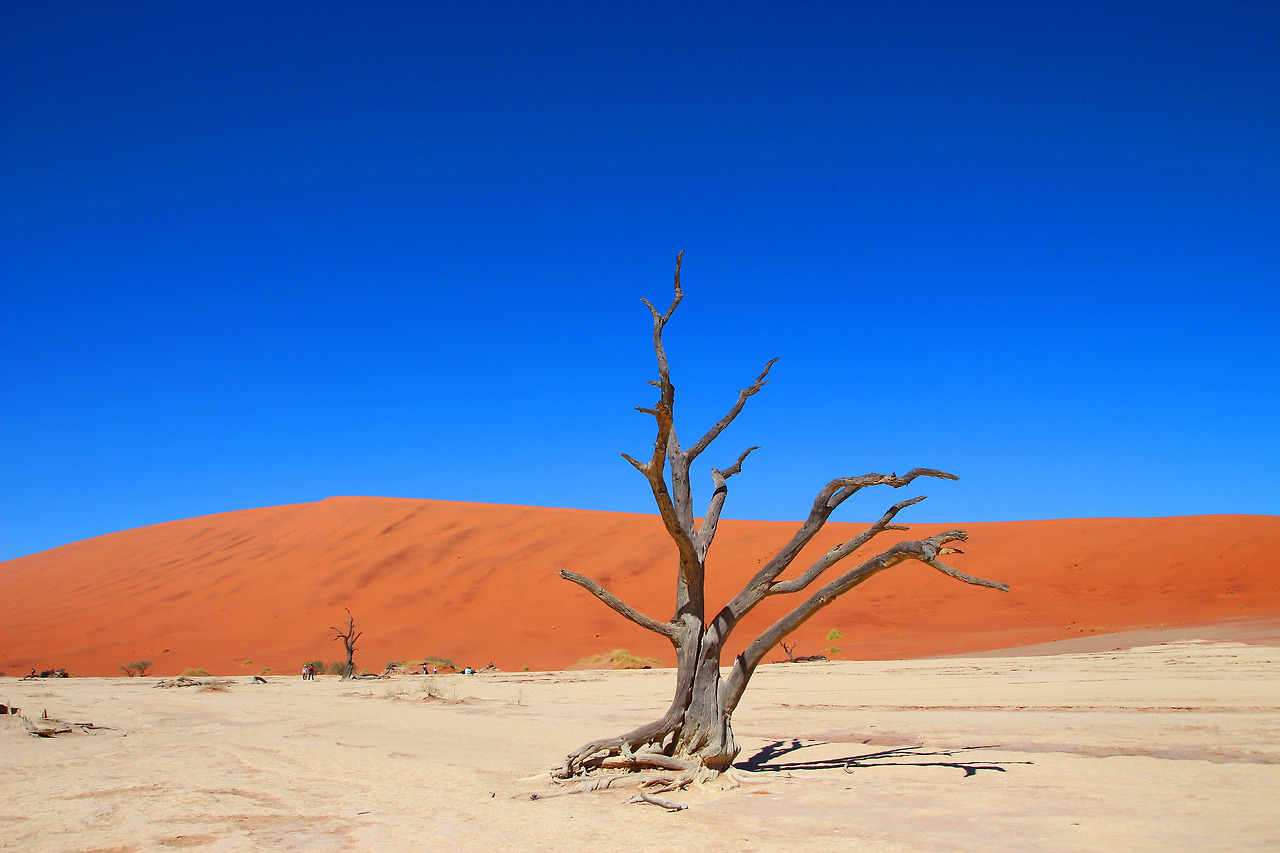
477 583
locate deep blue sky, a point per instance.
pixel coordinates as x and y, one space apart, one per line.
264 253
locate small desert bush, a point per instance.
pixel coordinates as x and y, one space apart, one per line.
833 635
432 690
137 668
195 672
617 659
335 668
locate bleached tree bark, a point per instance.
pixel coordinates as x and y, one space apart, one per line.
694 738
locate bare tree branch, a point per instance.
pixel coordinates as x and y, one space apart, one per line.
922 550
674 508
735 468
844 549
666 629
831 496
715 431
707 532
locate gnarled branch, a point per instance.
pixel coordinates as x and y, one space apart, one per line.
922 550
715 431
839 552
831 496
666 629
707 532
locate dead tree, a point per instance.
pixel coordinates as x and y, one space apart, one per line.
693 741
348 638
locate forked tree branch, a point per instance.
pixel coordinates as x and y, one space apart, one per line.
925 551
667 629
839 552
831 496
350 635
714 432
707 532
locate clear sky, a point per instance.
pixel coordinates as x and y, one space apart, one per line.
264 253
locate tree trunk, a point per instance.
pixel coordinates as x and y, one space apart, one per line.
706 735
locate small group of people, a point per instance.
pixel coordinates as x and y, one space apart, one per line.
308 672
425 672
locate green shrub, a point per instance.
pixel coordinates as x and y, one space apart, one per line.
137 668
195 672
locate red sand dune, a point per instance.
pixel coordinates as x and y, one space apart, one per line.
477 583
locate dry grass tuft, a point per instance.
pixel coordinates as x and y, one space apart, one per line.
617 659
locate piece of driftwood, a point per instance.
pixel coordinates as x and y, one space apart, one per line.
669 805
791 657
47 726
184 681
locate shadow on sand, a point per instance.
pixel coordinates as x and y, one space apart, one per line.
903 756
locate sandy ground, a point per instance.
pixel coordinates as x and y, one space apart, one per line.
1171 747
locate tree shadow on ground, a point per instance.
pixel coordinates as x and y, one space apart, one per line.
902 756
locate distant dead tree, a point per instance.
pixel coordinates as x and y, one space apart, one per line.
693 741
136 669
348 638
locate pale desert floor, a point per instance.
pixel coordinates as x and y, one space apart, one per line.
1173 747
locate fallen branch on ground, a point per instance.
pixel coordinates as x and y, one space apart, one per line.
669 805
48 726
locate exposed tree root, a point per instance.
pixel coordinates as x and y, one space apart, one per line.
588 784
669 805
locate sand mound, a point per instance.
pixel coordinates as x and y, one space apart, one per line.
477 583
